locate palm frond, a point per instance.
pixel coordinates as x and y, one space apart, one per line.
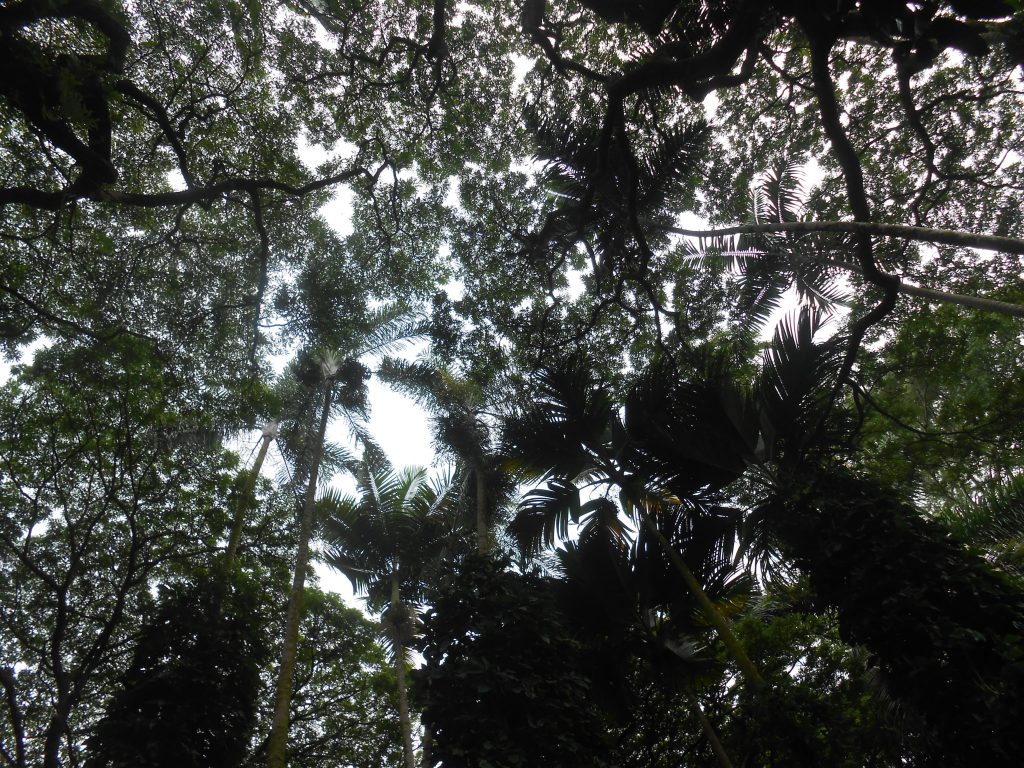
601 189
389 328
335 458
763 274
780 195
419 379
544 515
996 523
763 279
666 172
551 438
796 375
691 435
442 491
760 546
601 518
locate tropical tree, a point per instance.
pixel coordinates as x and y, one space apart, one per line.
463 413
289 654
501 662
344 697
246 496
383 540
574 439
699 435
160 231
638 622
342 382
111 481
827 706
189 696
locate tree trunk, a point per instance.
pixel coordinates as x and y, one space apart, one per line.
17 720
481 511
52 736
944 297
713 615
278 740
427 748
712 736
246 499
404 721
940 297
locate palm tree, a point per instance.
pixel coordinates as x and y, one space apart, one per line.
277 743
461 409
944 626
625 595
383 540
574 438
245 499
339 379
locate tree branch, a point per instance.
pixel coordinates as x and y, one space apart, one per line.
264 278
920 234
38 198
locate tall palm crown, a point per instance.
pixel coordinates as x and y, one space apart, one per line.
383 540
394 525
462 415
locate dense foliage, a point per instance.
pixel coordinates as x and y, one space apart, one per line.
190 692
568 231
485 700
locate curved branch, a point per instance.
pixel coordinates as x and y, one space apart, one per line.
945 297
853 175
930 294
974 302
264 277
921 234
136 94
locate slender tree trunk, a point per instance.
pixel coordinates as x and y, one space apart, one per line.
712 736
941 297
17 720
278 741
246 499
711 612
404 721
481 511
427 748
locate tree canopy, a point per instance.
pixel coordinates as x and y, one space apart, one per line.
730 293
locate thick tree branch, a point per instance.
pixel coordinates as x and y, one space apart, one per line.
37 198
822 40
136 94
533 25
945 297
936 296
974 302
